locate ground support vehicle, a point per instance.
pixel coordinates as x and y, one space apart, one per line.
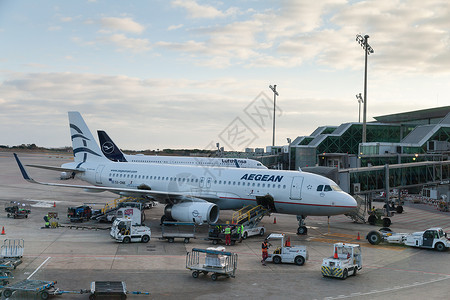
285 253
17 210
216 233
432 238
378 217
79 214
172 230
12 248
253 230
347 260
42 289
216 262
124 231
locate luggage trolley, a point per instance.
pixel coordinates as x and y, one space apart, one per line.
40 287
218 263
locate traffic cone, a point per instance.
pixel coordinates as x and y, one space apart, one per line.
358 238
54 204
274 220
3 230
335 253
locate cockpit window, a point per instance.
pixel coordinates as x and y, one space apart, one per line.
336 188
327 188
320 188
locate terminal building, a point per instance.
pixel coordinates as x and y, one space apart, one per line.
403 151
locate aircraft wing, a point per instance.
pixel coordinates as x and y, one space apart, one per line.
160 196
53 168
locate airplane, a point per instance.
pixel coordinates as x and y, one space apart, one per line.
112 152
198 193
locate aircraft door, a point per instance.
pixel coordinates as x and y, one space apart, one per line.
296 188
98 174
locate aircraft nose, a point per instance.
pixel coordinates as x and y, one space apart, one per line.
350 202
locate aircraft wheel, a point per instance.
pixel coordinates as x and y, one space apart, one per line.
302 230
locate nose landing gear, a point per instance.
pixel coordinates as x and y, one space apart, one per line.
302 229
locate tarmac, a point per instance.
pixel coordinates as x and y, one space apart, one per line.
76 257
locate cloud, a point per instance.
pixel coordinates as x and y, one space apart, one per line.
324 32
124 43
122 24
174 27
196 10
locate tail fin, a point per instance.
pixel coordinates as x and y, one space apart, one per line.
109 149
85 147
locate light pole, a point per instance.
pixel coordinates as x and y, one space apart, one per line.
367 50
360 100
289 152
275 94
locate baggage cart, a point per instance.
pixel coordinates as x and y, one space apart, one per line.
172 230
216 233
218 263
41 288
12 248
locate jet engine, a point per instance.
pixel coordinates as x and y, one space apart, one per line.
196 212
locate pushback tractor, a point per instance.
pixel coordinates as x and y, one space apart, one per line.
432 238
346 260
123 230
285 253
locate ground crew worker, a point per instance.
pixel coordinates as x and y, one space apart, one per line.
227 235
47 223
240 230
265 253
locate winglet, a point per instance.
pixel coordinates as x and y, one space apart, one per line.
22 169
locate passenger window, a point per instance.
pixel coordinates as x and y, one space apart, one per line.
284 186
258 184
263 185
253 184
220 181
327 188
320 188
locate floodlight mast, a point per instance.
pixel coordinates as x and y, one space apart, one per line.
367 51
275 94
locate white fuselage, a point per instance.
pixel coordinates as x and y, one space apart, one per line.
197 161
230 188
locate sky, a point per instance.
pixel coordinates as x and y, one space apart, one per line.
193 73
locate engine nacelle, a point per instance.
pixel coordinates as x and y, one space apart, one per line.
197 212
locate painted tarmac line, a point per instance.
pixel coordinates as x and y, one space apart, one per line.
396 288
38 267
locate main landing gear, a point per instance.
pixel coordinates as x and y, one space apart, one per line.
301 230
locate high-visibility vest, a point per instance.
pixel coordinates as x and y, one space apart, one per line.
264 247
227 230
